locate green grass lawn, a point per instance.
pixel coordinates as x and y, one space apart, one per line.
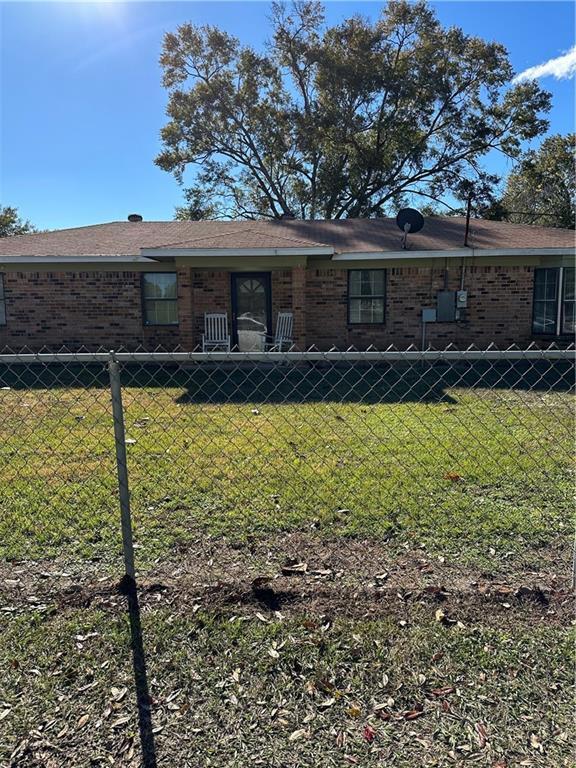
232 692
366 453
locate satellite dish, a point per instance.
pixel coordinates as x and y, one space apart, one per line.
409 220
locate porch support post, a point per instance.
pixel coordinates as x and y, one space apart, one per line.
299 306
185 309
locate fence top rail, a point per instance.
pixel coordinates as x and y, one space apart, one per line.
272 357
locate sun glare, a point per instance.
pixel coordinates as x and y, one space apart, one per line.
109 9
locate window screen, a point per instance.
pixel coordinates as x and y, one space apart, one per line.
568 300
366 295
160 298
545 311
553 311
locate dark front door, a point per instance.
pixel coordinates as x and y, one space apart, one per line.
251 310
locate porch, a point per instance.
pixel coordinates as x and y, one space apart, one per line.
251 300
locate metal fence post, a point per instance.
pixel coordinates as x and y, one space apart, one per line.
121 465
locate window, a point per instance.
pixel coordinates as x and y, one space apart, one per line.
2 302
568 300
160 298
553 310
545 312
366 289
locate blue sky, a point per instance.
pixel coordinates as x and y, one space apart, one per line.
82 102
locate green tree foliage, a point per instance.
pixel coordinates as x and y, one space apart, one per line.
542 188
12 224
331 122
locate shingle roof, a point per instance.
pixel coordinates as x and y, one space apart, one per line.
246 238
345 236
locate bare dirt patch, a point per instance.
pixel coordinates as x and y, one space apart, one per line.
302 573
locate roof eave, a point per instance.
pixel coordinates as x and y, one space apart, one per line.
163 253
84 259
456 253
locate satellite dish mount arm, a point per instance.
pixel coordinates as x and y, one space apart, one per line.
405 236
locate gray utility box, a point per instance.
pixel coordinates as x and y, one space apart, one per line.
446 306
449 304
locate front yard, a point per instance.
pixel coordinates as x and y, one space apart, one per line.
241 453
334 570
236 689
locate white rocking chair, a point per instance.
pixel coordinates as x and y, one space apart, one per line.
215 334
283 335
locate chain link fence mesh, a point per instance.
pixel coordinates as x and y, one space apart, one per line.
328 547
465 452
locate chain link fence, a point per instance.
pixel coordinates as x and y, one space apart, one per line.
316 538
232 461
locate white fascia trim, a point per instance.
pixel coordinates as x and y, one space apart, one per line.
120 259
457 253
178 252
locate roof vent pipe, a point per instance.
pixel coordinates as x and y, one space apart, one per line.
134 217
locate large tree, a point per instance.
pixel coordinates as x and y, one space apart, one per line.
12 224
331 122
542 188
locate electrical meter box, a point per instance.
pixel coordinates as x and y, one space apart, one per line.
446 310
461 299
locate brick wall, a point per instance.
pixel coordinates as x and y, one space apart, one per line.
96 309
299 307
185 309
499 308
78 309
281 293
211 292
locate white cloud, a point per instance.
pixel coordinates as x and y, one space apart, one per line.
561 67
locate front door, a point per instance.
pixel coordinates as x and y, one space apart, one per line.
251 310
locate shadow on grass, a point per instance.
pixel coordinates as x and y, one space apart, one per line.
143 701
367 383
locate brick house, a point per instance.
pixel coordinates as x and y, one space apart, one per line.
347 283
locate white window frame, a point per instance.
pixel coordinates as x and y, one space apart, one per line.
560 301
146 299
360 297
